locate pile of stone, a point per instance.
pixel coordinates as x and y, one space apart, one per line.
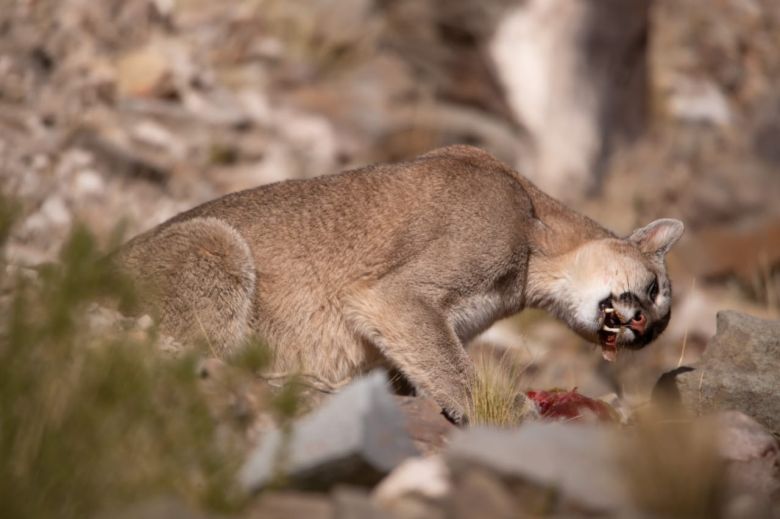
368 453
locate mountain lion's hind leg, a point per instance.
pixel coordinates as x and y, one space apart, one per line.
199 276
421 344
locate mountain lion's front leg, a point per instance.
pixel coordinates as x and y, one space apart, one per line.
420 343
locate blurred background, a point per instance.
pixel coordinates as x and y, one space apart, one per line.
133 110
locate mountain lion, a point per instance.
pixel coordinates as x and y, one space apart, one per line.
399 264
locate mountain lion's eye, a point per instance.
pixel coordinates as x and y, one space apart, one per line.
652 290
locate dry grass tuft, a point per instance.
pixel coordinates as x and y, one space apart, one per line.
497 396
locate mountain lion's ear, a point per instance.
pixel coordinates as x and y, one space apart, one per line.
658 237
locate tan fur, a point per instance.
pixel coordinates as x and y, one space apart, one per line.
399 264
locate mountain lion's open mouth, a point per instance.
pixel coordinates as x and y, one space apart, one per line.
609 331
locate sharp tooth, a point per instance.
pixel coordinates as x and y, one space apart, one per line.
608 329
609 310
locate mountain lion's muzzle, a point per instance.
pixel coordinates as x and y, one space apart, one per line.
633 331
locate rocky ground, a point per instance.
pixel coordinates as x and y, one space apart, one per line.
119 114
696 451
704 447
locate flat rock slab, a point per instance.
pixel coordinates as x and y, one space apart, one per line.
739 370
356 437
577 460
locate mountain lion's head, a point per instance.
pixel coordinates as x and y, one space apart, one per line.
619 292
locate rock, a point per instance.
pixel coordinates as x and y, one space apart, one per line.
479 493
292 505
157 136
753 454
88 183
115 153
744 439
425 423
145 322
356 503
699 101
738 370
356 437
143 72
578 461
416 489
53 212
423 477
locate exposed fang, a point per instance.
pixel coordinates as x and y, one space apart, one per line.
608 329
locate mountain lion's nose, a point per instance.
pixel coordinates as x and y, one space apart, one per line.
638 322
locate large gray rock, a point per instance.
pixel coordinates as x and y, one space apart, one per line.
356 437
739 370
578 461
